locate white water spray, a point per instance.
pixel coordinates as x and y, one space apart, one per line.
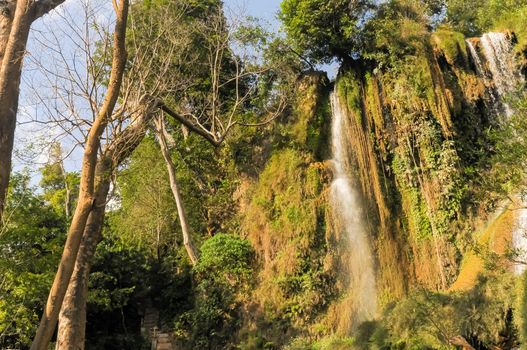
519 241
494 103
501 74
499 54
502 77
475 57
348 214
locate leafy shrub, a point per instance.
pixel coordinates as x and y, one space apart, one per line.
223 273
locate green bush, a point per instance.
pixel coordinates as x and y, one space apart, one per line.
223 273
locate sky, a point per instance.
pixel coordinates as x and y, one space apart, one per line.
266 10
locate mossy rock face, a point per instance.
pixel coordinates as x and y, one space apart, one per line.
415 144
284 218
451 44
285 222
311 118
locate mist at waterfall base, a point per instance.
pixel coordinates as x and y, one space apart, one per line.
361 301
495 64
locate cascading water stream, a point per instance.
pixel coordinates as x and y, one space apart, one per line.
502 77
494 103
500 70
347 212
499 54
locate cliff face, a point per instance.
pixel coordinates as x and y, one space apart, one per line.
415 131
418 135
418 144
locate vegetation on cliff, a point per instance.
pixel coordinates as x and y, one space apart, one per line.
241 171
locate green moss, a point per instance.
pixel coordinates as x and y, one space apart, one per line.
514 22
349 89
415 207
418 215
318 128
287 205
312 115
452 44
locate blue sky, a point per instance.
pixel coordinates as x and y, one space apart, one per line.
266 9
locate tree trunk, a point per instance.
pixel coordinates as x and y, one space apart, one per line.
187 240
14 31
16 18
72 320
58 290
72 323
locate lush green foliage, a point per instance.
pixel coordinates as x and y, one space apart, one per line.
224 275
30 244
476 17
430 160
324 30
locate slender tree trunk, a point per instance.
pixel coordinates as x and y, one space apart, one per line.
72 322
16 17
86 192
7 127
14 31
187 240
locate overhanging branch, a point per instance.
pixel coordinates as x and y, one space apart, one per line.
216 142
40 8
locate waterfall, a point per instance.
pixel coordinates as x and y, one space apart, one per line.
499 54
502 77
347 213
494 103
500 73
475 57
519 240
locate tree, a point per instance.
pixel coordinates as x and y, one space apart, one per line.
87 190
72 325
325 30
29 250
187 239
16 18
60 187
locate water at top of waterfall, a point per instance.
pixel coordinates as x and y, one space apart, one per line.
501 74
500 57
347 210
338 142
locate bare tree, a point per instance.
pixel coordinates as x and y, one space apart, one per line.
187 239
72 325
16 18
142 81
162 76
232 66
87 183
